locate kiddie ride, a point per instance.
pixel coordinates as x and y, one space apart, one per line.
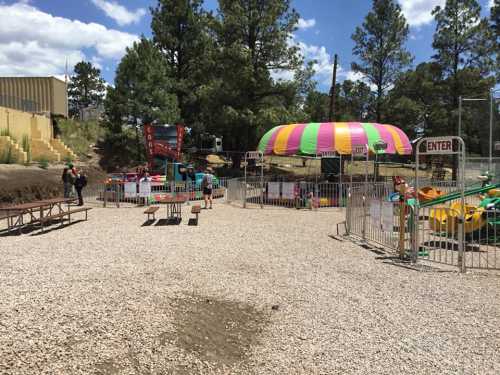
166 176
446 211
181 179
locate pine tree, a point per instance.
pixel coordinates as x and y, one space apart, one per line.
86 88
143 89
253 41
462 39
495 26
182 33
142 92
379 46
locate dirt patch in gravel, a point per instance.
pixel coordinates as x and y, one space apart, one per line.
215 331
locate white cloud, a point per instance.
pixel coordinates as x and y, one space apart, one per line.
322 66
119 13
419 12
306 24
491 3
33 42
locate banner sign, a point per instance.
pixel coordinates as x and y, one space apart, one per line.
273 190
329 154
164 141
130 189
254 155
444 146
359 150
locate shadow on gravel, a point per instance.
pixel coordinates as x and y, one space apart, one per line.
36 231
218 332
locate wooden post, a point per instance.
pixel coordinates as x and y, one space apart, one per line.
331 113
402 216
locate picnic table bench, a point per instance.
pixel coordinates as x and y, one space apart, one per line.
196 210
151 211
39 212
62 215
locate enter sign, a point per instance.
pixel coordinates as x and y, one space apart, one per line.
439 146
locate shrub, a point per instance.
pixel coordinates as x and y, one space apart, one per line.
43 162
26 144
7 156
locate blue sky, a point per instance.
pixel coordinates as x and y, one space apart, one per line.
38 36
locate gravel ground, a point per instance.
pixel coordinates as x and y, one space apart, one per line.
245 292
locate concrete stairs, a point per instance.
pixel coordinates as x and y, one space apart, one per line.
6 143
63 150
41 149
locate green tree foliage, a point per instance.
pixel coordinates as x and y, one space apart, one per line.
181 30
354 102
424 98
252 42
462 39
379 47
495 26
143 93
86 88
143 90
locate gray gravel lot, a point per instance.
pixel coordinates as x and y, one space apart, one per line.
245 292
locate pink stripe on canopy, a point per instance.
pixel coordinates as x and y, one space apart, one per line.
293 144
326 137
358 134
270 143
386 136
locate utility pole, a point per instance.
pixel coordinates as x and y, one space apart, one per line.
331 113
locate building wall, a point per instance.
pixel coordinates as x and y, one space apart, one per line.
38 129
19 124
34 94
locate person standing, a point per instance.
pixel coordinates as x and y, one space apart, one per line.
68 179
80 183
207 186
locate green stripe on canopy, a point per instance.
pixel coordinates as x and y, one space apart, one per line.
309 140
265 139
373 136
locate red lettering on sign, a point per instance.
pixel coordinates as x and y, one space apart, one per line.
439 146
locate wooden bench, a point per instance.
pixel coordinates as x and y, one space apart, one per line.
10 216
61 215
151 211
195 210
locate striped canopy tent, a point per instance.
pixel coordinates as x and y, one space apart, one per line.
340 137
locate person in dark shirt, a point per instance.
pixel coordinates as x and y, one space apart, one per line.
80 183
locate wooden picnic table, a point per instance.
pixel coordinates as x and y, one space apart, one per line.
36 211
174 207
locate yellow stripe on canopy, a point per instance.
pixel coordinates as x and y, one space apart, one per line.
398 145
281 144
342 138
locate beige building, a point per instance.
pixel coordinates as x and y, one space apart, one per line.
28 136
28 107
43 95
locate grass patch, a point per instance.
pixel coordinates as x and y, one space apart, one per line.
80 136
7 156
26 145
43 162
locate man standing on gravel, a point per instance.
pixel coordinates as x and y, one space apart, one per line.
207 185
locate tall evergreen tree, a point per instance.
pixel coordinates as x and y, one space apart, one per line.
462 38
86 88
495 26
142 94
379 47
181 31
253 41
143 89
